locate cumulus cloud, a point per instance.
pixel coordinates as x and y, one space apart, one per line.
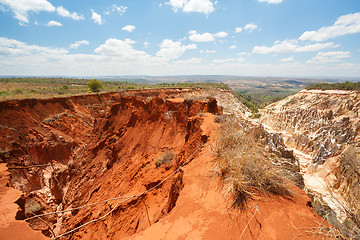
128 28
272 1
65 13
17 48
238 29
121 49
205 37
329 57
53 23
200 6
233 47
346 24
118 57
248 27
21 8
288 59
96 17
77 44
119 9
292 46
171 50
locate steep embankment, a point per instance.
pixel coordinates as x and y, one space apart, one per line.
322 127
135 165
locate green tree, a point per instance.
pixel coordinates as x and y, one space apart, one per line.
95 85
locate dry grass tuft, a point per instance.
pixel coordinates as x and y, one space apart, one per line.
321 231
164 158
245 165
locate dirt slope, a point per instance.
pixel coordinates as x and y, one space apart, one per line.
105 146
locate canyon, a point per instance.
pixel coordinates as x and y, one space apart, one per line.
141 165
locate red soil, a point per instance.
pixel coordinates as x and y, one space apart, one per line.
9 227
105 146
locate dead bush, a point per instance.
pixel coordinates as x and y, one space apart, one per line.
164 158
244 165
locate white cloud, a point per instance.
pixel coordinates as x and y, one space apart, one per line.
146 44
272 1
250 27
128 28
346 24
21 8
118 57
238 29
65 13
16 48
96 17
171 50
121 49
77 44
54 23
190 61
208 51
329 57
288 59
119 9
205 37
243 54
233 47
200 6
292 46
227 60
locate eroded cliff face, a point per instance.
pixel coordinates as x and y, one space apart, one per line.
138 165
320 123
324 128
65 153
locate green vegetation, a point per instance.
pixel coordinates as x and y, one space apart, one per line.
335 86
255 102
95 85
19 88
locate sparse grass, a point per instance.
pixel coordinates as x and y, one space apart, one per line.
320 231
245 166
164 158
20 88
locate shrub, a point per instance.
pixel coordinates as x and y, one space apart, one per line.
255 115
335 86
95 85
245 166
164 158
18 91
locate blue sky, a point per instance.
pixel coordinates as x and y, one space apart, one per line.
294 38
